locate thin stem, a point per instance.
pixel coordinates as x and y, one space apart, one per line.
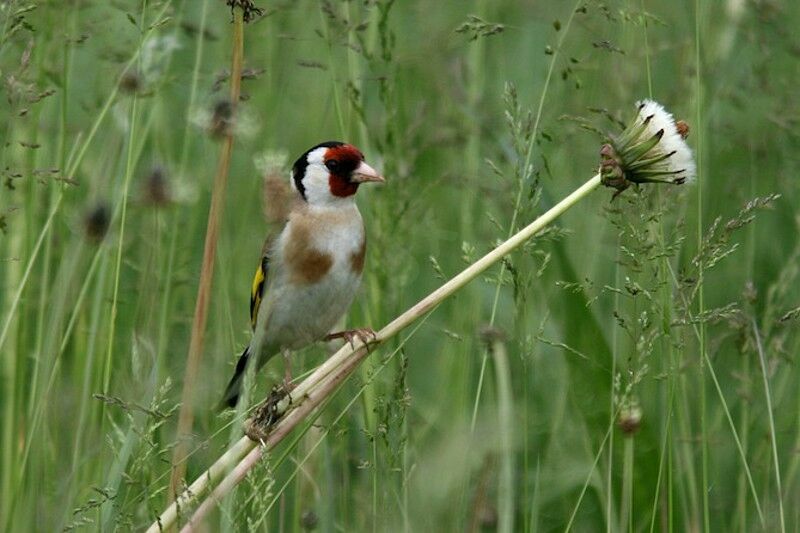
589 476
186 416
121 242
505 416
74 164
626 513
726 410
526 172
611 407
701 298
771 418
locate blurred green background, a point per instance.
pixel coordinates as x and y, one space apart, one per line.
671 304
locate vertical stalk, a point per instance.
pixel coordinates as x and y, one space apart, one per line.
526 173
118 261
771 418
626 513
505 417
701 297
612 407
186 416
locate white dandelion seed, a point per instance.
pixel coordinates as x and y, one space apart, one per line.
651 150
682 160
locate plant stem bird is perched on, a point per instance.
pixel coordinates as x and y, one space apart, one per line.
285 413
310 272
651 150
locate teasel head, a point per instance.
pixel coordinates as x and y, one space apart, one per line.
652 149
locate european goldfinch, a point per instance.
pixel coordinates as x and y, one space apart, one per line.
310 272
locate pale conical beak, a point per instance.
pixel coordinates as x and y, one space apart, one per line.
364 173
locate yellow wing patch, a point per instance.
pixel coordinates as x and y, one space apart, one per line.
257 290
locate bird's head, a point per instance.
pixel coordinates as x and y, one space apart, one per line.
330 173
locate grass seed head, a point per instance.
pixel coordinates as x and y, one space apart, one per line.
650 150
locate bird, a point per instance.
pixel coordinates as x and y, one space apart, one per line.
310 272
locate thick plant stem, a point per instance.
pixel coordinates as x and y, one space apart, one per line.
445 291
186 416
326 378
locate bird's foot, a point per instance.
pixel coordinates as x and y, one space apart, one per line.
365 335
265 416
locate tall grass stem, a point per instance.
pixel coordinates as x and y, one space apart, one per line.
773 435
197 338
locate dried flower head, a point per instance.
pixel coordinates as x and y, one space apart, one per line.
277 194
630 419
309 520
131 82
651 150
96 222
157 190
222 118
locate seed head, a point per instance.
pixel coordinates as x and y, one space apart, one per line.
221 119
157 191
96 222
651 150
309 520
131 82
630 419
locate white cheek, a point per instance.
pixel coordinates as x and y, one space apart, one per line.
317 187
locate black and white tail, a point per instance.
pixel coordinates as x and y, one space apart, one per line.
234 388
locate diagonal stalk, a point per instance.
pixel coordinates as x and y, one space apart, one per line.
315 389
186 416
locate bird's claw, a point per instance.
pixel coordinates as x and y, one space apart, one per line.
265 416
365 335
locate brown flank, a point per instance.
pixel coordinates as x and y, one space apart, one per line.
357 259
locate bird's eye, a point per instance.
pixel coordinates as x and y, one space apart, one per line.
332 164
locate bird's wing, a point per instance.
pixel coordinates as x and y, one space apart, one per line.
280 200
257 289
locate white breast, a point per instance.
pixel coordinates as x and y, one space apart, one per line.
303 313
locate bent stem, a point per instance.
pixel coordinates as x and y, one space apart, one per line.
186 416
326 378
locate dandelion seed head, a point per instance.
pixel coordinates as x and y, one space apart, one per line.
672 140
652 149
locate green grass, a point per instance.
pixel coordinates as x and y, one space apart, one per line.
683 301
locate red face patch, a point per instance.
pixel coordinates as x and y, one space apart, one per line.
341 187
341 161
